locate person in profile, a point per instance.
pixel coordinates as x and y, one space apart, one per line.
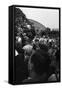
38 66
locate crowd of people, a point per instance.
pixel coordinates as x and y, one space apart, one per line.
37 60
37 56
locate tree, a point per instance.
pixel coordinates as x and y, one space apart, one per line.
22 23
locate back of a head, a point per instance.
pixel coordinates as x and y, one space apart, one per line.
41 61
43 47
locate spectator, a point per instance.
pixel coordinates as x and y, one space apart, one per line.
38 67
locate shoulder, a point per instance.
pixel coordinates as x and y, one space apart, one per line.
52 78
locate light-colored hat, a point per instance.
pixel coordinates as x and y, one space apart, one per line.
28 47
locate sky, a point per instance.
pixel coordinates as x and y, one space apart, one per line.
47 17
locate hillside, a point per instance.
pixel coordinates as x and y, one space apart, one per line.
37 25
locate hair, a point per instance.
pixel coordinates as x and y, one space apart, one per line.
43 47
41 61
